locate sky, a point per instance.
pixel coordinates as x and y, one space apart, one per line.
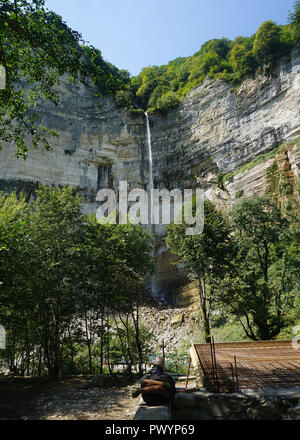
133 34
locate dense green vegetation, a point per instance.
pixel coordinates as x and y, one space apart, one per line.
246 264
70 287
162 87
204 256
262 282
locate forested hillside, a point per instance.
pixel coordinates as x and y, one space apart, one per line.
162 87
38 47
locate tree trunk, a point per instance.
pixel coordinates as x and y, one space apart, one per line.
40 361
204 310
206 328
108 351
137 336
72 351
27 349
101 345
124 354
53 371
130 358
88 342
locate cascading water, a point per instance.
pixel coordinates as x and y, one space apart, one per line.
150 171
156 290
150 216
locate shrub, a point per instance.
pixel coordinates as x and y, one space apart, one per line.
167 101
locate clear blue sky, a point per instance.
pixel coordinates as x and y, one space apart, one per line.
133 34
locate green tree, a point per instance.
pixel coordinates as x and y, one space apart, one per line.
123 342
230 61
135 248
220 47
210 60
54 241
36 49
259 286
14 310
294 19
168 101
204 256
267 45
116 260
64 277
242 60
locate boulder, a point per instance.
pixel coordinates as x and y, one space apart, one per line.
177 320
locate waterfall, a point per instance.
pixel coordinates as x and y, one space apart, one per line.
150 170
156 291
150 216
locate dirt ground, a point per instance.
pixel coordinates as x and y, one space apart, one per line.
73 398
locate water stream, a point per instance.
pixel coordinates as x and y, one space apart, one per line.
156 291
150 171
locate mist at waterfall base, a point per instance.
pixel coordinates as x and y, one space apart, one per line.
154 209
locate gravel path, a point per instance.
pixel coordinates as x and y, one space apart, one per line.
65 399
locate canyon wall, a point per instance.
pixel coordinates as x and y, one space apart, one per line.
214 131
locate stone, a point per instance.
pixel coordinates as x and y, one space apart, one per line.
145 412
296 409
190 414
184 401
177 320
268 413
219 410
250 406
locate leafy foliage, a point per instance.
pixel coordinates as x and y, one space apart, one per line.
246 265
268 46
64 277
36 49
294 19
204 256
261 285
162 87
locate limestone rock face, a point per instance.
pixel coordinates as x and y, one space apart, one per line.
217 131
213 131
96 147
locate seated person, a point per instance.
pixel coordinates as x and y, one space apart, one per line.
159 388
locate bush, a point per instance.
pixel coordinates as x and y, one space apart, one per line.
123 98
168 101
232 61
267 42
229 333
294 19
239 193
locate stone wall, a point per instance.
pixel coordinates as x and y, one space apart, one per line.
272 405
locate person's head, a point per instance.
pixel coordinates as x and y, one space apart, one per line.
159 361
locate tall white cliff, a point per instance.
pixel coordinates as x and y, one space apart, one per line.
215 130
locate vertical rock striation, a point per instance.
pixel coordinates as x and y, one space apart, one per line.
214 131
